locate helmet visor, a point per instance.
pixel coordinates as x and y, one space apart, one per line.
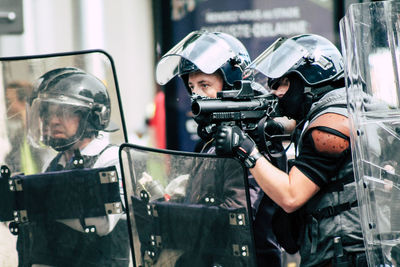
205 50
55 123
276 60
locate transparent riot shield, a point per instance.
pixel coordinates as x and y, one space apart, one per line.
370 43
60 185
186 209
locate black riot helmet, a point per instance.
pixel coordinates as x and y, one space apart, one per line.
207 52
312 64
313 58
67 93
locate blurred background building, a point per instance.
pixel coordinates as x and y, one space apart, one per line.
137 33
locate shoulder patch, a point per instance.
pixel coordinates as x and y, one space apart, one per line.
334 121
327 142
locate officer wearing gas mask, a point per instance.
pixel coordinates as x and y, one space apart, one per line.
306 73
69 111
209 62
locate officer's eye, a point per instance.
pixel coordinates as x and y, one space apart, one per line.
281 82
205 85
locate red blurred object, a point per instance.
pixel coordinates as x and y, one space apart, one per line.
157 122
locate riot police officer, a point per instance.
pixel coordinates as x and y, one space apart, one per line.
306 73
70 111
209 62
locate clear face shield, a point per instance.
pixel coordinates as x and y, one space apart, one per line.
275 61
205 50
58 122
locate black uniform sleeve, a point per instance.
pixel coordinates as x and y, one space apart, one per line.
318 167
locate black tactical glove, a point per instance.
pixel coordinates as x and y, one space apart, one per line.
272 127
205 132
231 140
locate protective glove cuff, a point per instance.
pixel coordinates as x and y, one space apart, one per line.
245 148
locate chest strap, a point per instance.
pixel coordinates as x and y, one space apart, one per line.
331 211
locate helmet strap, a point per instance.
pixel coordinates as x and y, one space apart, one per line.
308 99
314 94
185 79
317 92
62 144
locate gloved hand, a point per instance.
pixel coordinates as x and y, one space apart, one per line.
273 127
231 140
205 132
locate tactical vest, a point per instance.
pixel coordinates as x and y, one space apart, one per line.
88 161
333 210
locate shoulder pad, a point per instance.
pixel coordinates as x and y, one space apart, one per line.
328 142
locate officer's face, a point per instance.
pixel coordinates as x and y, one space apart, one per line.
61 122
14 105
205 84
280 87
